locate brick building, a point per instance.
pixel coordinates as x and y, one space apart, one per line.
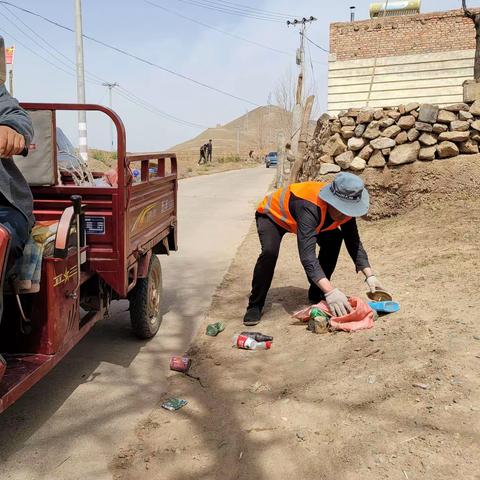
393 60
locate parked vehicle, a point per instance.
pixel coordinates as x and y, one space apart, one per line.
105 248
271 160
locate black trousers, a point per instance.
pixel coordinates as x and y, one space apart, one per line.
271 235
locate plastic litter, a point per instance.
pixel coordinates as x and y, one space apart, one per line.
259 337
248 343
180 364
360 318
214 329
385 307
174 404
318 313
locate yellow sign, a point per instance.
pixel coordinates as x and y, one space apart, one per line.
66 276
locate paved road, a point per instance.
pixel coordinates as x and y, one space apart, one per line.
71 424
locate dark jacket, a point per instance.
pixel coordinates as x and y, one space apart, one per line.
13 187
308 216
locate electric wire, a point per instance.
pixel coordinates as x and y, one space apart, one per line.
148 106
94 77
127 95
228 11
286 15
36 53
224 32
135 57
315 44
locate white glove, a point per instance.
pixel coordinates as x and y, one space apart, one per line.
338 303
373 283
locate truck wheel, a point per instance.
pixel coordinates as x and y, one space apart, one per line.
145 302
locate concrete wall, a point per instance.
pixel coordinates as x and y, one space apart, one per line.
425 78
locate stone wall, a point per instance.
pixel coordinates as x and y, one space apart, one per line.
372 138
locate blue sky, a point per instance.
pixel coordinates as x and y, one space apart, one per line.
243 69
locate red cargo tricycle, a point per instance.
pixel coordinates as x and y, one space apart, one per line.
104 247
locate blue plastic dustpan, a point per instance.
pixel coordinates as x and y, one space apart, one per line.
385 307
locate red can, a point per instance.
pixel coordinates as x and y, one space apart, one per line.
180 364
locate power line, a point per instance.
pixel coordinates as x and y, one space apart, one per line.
257 9
315 44
230 11
62 62
135 57
95 78
141 102
37 54
127 95
224 32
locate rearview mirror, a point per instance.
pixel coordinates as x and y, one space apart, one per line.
3 66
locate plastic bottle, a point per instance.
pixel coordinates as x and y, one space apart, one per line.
259 337
248 343
317 313
136 175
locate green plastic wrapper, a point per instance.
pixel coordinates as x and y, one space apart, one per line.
316 312
214 329
174 404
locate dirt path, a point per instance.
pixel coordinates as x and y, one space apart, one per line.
190 168
336 406
71 423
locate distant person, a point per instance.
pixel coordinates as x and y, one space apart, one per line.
209 150
203 154
250 154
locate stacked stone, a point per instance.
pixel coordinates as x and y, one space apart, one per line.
361 138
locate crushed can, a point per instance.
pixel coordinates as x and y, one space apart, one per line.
180 364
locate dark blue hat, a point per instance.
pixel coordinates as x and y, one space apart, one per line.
347 193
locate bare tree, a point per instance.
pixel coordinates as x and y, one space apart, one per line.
475 17
284 95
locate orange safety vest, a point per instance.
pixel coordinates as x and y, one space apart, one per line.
275 205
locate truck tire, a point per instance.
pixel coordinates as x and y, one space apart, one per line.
145 302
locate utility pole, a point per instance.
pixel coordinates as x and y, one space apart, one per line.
110 86
301 52
82 115
299 125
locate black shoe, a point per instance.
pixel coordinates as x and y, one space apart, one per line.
252 316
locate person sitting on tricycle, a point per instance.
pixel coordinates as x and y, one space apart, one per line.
16 201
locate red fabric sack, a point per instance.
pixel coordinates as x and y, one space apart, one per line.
361 318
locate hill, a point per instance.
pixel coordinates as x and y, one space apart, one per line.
257 130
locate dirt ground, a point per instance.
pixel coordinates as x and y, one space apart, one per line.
336 406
